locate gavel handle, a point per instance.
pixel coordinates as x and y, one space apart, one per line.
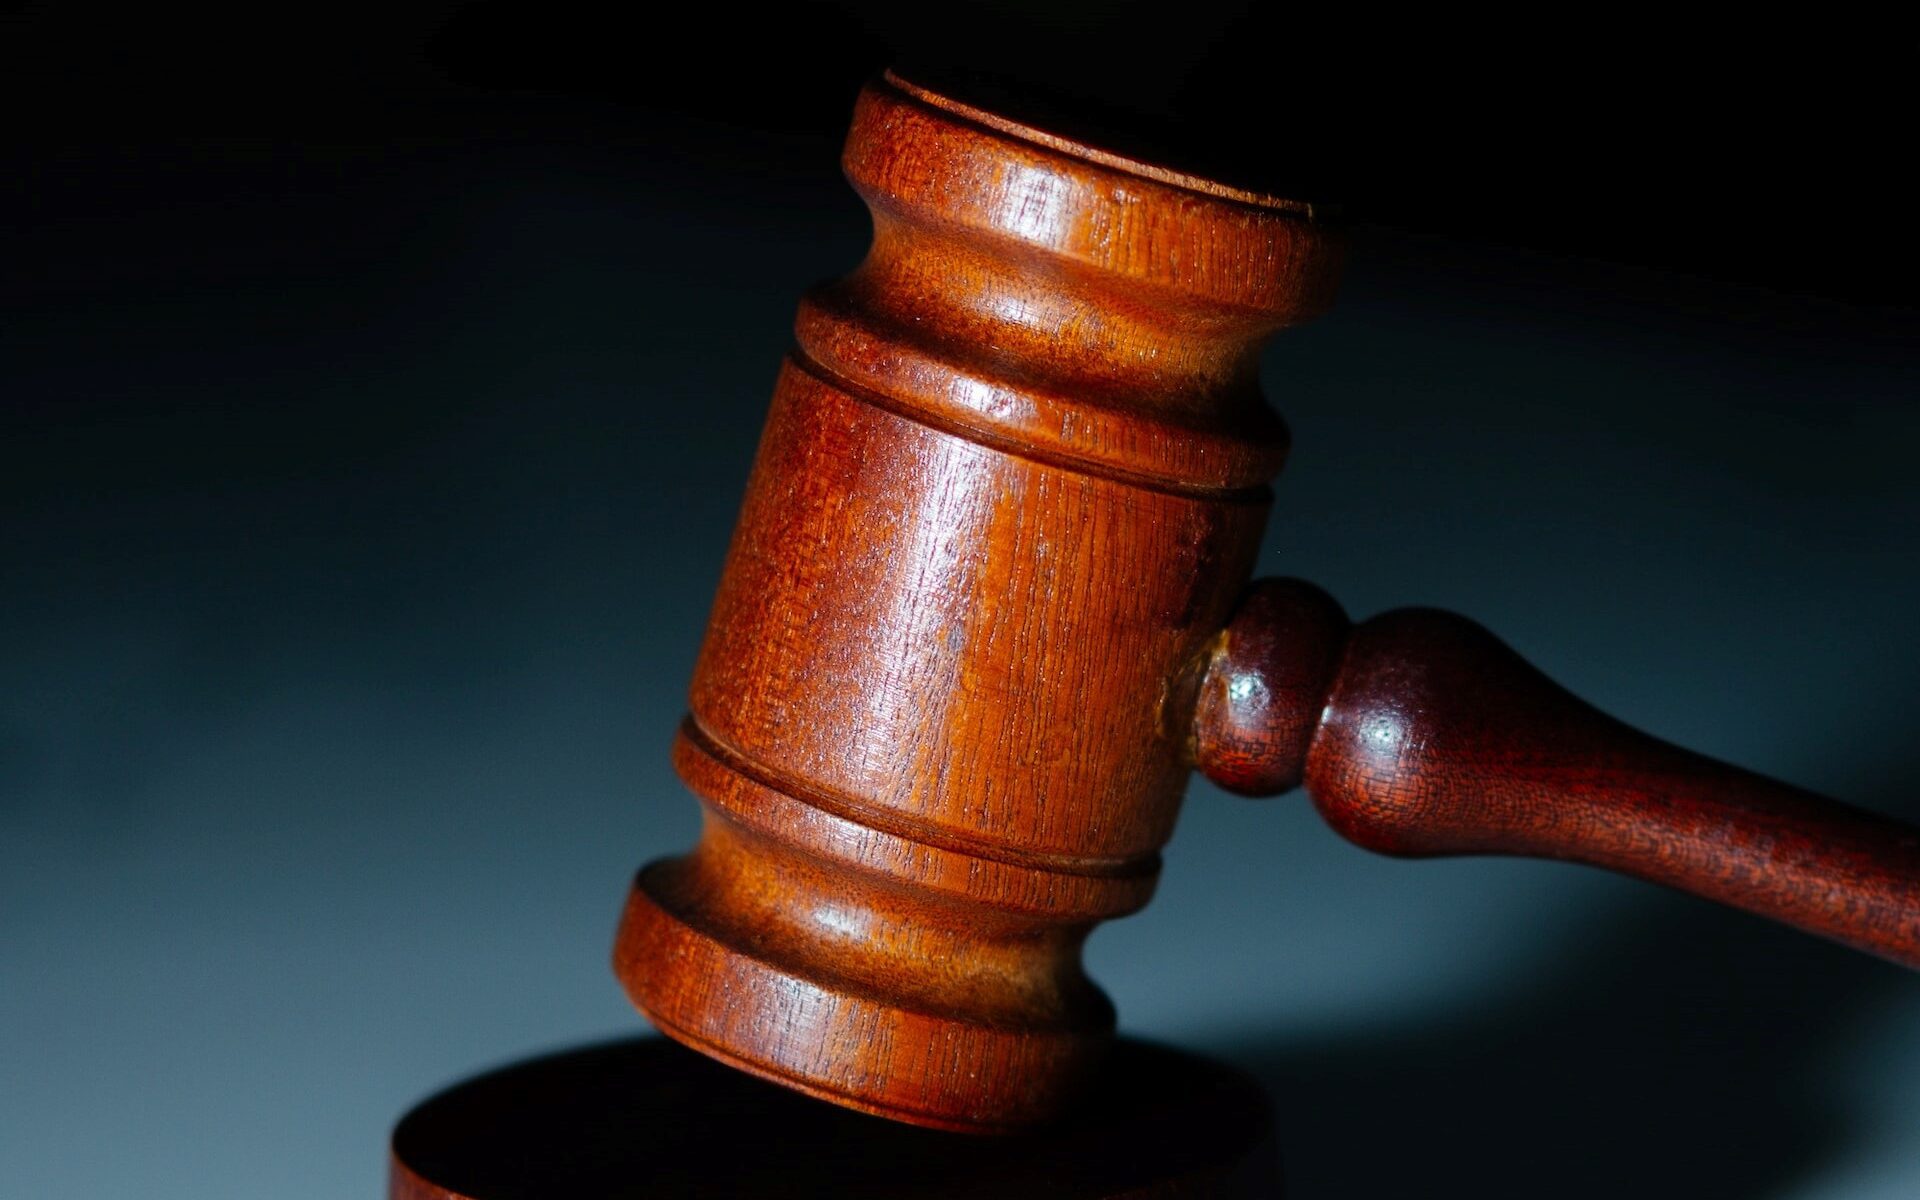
1419 733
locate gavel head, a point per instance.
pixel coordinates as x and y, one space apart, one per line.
1014 477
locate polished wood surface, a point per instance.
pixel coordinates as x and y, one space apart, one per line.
978 623
1013 478
1420 733
647 1118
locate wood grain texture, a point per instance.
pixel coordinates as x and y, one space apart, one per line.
977 625
1430 736
1012 480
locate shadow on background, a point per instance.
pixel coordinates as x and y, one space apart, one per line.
1676 1050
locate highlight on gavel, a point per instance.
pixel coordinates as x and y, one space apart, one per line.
987 606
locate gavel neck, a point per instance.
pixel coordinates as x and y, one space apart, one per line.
1419 733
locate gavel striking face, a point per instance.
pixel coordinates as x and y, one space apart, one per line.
987 606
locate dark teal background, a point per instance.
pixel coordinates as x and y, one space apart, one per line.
363 498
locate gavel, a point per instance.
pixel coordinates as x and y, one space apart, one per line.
987 607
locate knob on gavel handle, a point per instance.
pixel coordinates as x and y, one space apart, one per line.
1419 733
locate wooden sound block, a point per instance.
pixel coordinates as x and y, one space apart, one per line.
646 1117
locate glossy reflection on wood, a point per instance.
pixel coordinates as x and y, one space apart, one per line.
1012 481
977 625
1430 736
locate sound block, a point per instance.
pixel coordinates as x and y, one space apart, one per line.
646 1117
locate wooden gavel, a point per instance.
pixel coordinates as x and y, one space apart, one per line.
987 606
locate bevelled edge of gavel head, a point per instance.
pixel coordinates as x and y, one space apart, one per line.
1013 479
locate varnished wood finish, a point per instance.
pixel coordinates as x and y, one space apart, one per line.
1431 736
973 633
1263 685
1013 478
646 1118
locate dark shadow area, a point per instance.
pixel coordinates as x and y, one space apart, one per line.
647 1117
1676 1051
1764 153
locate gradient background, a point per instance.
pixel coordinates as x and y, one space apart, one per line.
377 402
